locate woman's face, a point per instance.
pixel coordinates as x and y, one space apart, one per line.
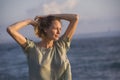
53 32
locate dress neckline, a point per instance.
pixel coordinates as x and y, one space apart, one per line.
43 48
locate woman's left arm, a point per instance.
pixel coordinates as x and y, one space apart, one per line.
73 19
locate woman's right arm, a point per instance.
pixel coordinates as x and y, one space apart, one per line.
14 28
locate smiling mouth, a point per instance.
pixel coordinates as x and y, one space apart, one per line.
57 36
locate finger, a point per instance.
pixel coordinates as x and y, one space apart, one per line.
36 18
35 23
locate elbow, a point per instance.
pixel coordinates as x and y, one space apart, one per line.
9 30
77 17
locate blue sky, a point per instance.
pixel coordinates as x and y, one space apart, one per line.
96 15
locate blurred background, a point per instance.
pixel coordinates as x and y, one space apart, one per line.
95 49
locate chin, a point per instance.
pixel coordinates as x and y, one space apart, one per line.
56 39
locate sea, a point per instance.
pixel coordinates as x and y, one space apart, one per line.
91 59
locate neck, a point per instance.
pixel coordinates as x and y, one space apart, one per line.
46 43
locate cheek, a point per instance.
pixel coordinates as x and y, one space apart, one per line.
51 33
55 32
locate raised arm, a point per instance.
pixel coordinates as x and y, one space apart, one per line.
73 19
14 28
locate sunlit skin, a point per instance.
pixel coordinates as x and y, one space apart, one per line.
53 34
51 42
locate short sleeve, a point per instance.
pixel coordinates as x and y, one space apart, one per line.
64 42
29 45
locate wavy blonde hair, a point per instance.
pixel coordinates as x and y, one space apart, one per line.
44 23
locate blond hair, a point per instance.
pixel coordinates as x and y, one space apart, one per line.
44 23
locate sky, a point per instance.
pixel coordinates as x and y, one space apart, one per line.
95 15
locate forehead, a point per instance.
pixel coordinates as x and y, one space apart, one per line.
56 23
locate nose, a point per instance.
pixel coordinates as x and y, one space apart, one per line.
58 31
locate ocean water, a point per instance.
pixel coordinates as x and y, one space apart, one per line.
91 59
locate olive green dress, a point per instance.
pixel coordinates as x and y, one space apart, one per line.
49 63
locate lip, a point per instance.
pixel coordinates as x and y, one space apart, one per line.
57 36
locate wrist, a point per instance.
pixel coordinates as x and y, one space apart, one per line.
28 21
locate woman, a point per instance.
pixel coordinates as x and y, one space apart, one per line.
47 59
